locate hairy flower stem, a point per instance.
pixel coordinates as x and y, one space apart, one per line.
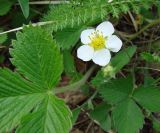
76 85
133 36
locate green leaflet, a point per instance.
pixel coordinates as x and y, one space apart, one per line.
28 96
12 84
14 108
148 97
158 3
17 98
48 118
127 117
116 90
5 6
37 57
100 114
75 113
156 124
68 37
3 38
2 58
70 69
25 7
150 57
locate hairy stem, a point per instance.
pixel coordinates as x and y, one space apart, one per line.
46 2
76 85
133 36
148 68
133 21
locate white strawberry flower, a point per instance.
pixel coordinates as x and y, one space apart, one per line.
98 43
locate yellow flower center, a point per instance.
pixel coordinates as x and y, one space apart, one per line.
97 41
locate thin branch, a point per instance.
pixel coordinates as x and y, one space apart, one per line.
133 21
46 2
1 47
20 28
148 68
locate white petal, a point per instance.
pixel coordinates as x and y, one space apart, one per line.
102 57
85 52
85 36
106 28
109 1
113 43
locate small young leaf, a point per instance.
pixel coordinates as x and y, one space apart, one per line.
52 116
150 57
2 58
148 80
75 113
156 125
99 79
37 57
120 60
148 97
127 117
3 38
67 38
101 116
68 60
117 63
5 6
116 90
25 7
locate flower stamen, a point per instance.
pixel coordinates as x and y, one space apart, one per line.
97 41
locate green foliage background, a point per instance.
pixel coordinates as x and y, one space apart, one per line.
40 54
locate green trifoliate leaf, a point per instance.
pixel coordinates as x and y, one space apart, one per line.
148 97
17 98
127 117
116 90
36 55
52 116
